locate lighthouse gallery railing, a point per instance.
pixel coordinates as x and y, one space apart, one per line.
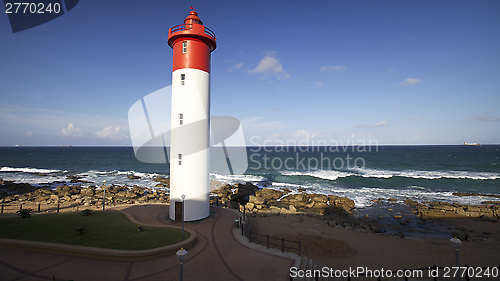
183 27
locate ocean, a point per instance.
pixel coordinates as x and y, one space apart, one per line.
361 173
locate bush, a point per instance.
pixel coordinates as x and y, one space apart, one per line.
81 230
24 213
87 212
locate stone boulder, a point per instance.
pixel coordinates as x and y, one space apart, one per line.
269 194
256 200
3 194
341 203
319 198
290 211
138 190
249 206
239 196
19 188
162 180
89 191
247 186
296 198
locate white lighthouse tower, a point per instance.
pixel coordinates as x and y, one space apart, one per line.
192 44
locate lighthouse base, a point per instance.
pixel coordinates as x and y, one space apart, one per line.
193 209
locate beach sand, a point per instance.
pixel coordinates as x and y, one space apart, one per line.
342 248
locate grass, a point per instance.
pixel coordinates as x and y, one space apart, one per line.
111 230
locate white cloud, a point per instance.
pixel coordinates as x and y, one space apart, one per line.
379 124
332 68
29 133
71 131
110 133
319 84
270 65
413 117
410 81
46 125
485 117
414 138
236 67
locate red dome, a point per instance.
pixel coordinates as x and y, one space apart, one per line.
193 18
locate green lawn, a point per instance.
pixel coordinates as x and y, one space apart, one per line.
110 230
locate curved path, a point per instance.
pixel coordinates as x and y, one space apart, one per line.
216 256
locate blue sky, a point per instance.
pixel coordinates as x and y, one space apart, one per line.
394 72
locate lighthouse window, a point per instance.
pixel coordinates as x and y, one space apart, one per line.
181 117
179 157
184 47
183 78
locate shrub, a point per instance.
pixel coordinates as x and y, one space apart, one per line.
24 213
87 212
81 230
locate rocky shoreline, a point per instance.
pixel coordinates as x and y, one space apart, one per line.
250 198
12 193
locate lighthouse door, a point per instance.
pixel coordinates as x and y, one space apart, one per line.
178 211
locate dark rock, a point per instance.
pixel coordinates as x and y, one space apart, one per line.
162 180
238 197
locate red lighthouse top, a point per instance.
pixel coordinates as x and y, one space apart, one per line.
192 28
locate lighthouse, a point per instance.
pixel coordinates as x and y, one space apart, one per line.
192 44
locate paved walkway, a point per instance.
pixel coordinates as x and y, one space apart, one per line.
216 256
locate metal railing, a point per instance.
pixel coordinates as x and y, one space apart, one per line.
184 27
181 27
253 236
209 32
266 240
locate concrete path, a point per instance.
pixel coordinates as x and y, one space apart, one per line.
216 256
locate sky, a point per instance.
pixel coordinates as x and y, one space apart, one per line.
385 72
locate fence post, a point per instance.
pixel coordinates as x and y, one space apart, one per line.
58 207
242 232
267 242
250 236
2 208
229 204
21 207
299 248
282 244
39 207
